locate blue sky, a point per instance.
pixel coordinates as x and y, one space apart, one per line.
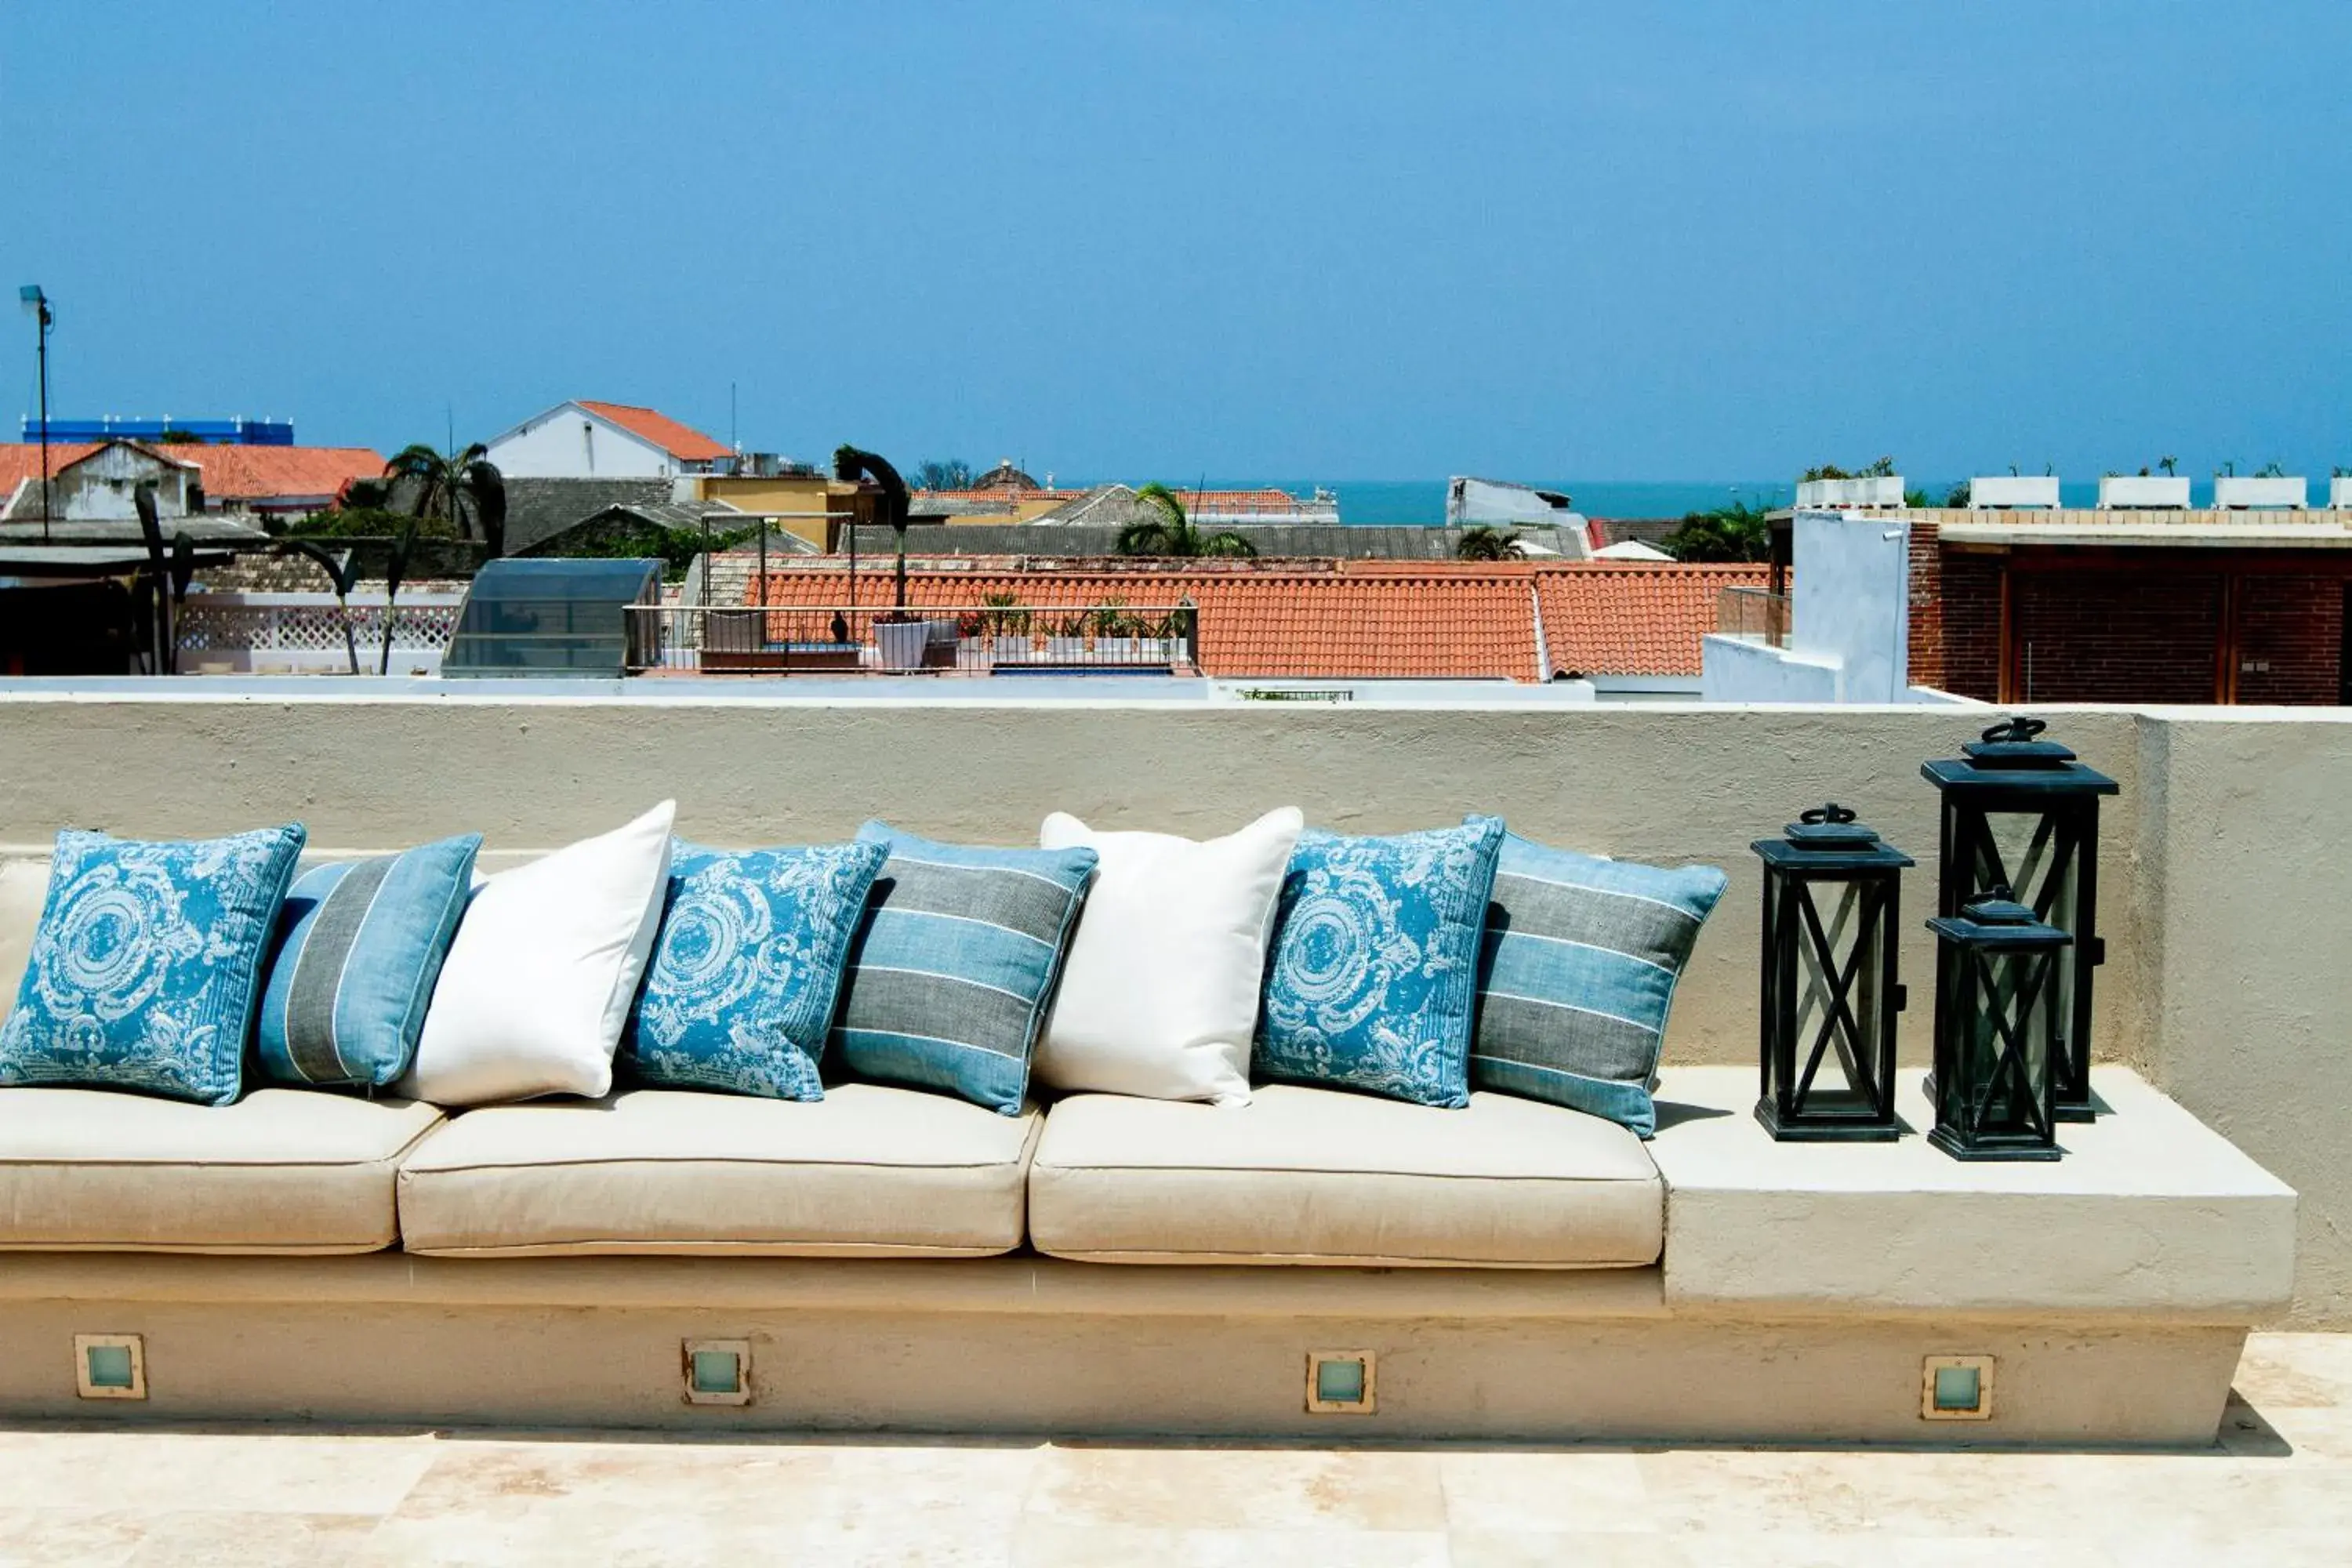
1357 240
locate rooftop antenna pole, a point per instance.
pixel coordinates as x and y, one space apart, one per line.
38 304
733 440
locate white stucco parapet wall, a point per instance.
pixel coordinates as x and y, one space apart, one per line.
2149 1212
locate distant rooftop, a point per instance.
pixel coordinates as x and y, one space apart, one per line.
1357 619
680 441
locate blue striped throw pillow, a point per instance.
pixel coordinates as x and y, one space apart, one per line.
1581 962
741 991
360 945
952 972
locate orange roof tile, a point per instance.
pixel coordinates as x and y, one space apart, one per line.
680 441
1633 619
19 463
264 473
226 473
1302 624
1368 619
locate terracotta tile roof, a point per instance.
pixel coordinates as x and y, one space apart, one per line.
264 473
19 463
1370 619
680 441
226 473
1608 618
1310 624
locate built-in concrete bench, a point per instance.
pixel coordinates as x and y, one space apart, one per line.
887 1259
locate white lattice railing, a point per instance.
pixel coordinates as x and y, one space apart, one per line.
306 630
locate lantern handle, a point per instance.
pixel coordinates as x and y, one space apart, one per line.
2019 728
1833 812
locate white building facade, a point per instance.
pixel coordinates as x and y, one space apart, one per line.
585 440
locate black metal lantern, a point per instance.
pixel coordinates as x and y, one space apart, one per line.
2021 813
1829 980
1999 1030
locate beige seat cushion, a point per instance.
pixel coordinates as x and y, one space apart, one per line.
282 1170
869 1172
1314 1175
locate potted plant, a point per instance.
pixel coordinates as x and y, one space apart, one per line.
1828 487
1118 636
899 639
2013 492
2270 488
2339 489
1067 638
2144 492
1004 625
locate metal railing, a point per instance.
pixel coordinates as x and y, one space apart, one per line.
868 639
1756 615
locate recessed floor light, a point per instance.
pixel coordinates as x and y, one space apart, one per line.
1956 1388
1339 1382
109 1366
718 1372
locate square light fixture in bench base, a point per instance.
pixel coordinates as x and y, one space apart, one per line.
109 1366
1339 1382
717 1372
1956 1388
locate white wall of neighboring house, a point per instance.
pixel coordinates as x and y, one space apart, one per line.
101 487
567 442
1850 621
1475 502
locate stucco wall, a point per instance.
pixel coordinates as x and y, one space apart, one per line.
1736 670
556 446
2229 972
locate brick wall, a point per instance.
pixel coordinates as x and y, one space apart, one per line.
1968 620
2144 634
2295 626
1926 607
2107 637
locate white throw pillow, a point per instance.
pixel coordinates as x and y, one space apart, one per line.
1160 991
538 981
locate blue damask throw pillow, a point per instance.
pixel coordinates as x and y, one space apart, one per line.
147 963
1581 960
1374 971
953 975
360 945
739 992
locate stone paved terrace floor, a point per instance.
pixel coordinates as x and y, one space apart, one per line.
2275 1492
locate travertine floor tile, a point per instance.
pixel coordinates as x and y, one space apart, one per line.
1240 1489
1508 1490
1050 1544
250 1539
67 1537
1556 1548
203 1472
1740 1491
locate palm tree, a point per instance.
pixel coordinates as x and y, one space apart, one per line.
1736 533
341 571
456 486
1170 534
1483 544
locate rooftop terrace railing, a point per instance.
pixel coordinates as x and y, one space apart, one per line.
1753 615
867 639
